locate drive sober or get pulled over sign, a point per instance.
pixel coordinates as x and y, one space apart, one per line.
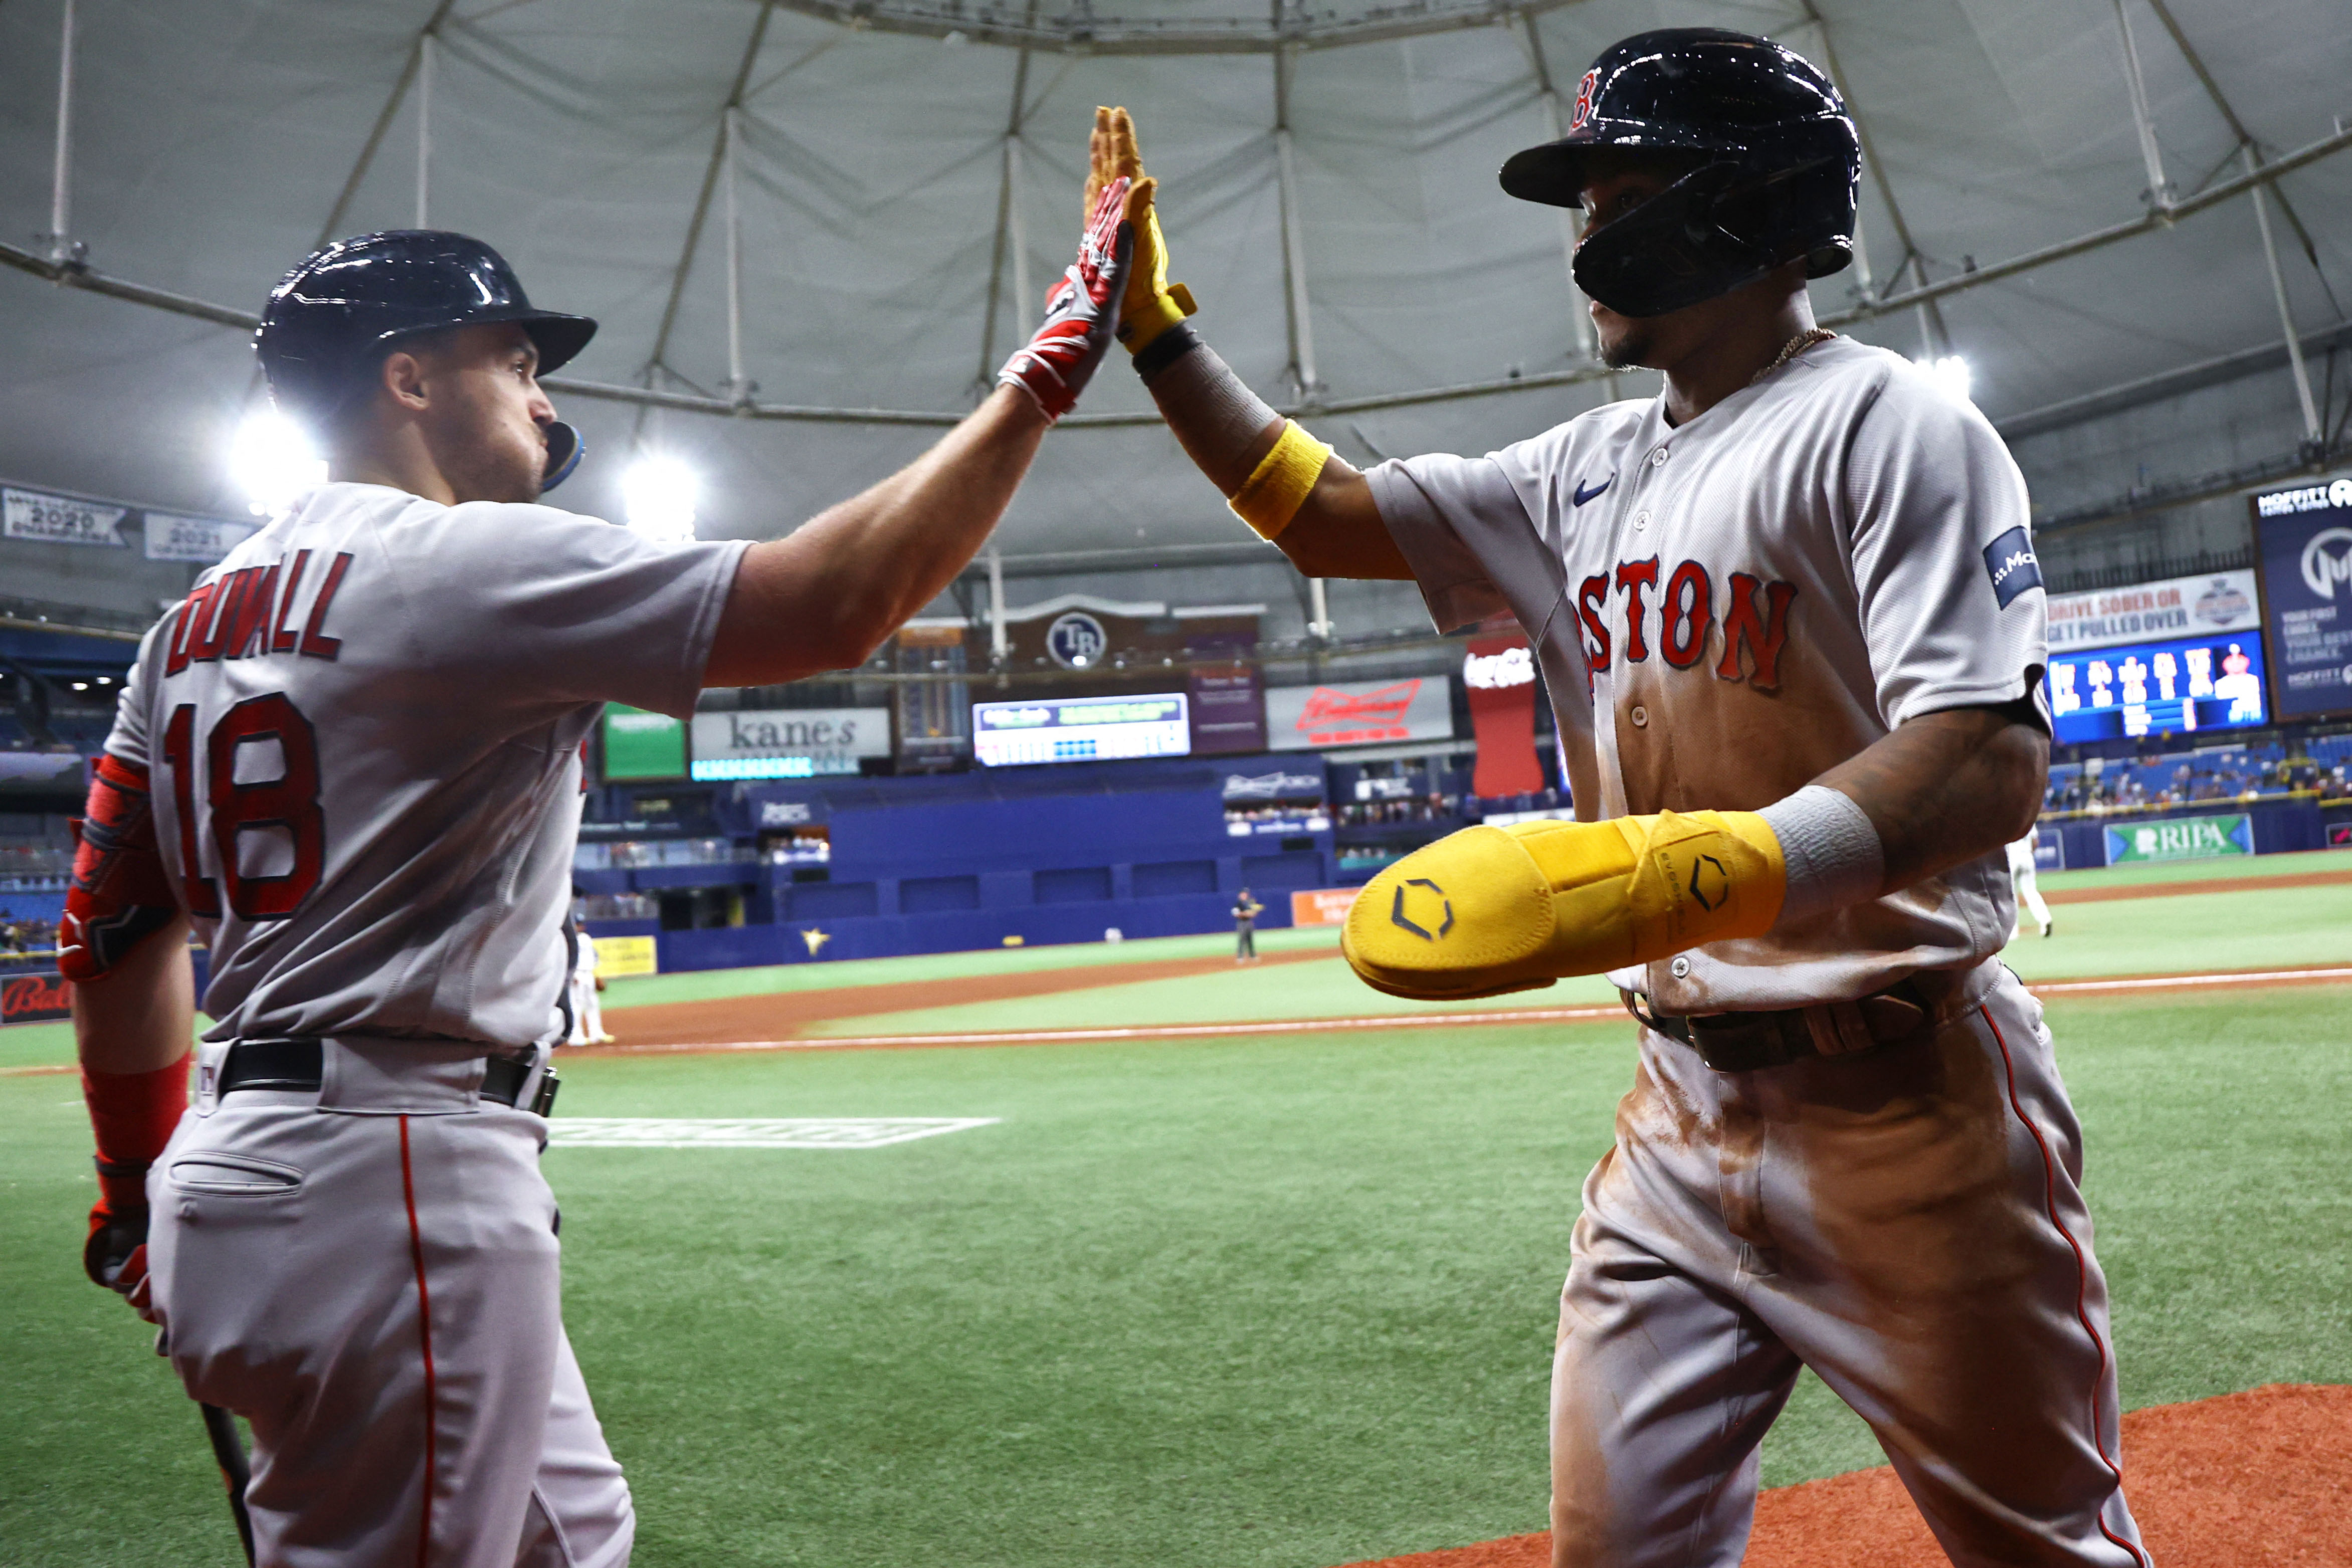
2305 539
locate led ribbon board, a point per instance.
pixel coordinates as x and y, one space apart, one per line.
1080 728
2157 688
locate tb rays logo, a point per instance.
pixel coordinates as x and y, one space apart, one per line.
1076 640
1584 91
2321 570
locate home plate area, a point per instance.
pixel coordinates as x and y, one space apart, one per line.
751 1131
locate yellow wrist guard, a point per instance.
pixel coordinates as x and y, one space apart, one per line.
1490 910
1277 486
1152 304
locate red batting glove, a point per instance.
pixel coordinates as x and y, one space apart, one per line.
1081 313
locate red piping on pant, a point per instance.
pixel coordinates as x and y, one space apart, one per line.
2082 1279
425 1334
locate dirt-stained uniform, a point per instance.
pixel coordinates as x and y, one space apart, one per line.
1748 600
363 731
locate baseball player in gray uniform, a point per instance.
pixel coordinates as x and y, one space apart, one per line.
1792 619
352 758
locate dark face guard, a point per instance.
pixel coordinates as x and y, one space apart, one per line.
1690 242
564 447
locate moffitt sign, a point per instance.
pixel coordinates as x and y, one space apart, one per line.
2305 539
1307 717
788 742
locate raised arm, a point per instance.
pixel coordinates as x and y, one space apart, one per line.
1311 503
825 596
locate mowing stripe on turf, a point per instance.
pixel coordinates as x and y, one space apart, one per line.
752 1131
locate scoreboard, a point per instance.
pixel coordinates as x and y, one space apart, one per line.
2157 688
1080 728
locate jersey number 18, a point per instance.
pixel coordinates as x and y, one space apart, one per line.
289 802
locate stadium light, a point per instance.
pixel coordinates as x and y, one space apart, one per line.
658 496
1950 371
273 459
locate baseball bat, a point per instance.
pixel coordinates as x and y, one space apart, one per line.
228 1452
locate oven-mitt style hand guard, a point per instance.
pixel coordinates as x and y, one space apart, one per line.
1490 910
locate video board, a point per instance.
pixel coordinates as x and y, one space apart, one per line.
2170 688
1080 728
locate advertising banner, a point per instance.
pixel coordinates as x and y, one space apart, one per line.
1304 783
1500 673
624 955
61 520
1309 717
40 998
1079 729
2180 839
2305 539
1321 906
642 745
203 539
1228 701
2173 608
787 742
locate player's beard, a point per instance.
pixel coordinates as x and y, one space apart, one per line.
1630 352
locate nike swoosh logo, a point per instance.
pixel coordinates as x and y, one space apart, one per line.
1583 495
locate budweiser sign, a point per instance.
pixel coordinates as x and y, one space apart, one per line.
34 999
1303 718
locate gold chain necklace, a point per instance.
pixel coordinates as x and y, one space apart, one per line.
1792 348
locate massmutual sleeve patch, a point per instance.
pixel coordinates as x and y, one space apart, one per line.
2009 562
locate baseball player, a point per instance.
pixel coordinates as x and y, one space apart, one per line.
587 1011
2023 880
1792 619
351 759
1246 910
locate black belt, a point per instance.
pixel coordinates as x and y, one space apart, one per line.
1743 1042
301 1064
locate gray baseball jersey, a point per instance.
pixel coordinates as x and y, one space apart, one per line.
1728 609
365 730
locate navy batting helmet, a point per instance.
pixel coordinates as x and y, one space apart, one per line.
333 319
1779 162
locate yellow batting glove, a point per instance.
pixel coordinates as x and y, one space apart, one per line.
1152 304
1490 910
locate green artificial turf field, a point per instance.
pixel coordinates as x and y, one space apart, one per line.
1282 1302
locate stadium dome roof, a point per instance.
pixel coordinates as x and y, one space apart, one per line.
907 177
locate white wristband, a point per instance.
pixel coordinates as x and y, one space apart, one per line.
1833 855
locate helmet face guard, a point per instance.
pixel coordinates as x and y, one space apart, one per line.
564 447
1717 228
1779 167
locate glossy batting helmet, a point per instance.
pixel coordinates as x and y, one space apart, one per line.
1779 163
333 319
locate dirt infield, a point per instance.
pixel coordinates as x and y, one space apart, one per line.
2263 1477
2178 889
783 1014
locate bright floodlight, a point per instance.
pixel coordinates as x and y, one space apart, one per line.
1950 371
658 495
272 460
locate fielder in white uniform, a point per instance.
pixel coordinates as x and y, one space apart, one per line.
587 1009
352 759
2022 877
1790 617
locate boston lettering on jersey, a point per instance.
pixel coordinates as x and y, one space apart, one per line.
1755 619
250 613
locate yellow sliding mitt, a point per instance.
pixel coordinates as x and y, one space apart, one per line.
1490 910
1152 304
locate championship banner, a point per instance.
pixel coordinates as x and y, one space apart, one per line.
2147 612
621 956
1308 718
35 998
1322 906
203 539
61 520
2304 537
1500 673
2181 839
787 742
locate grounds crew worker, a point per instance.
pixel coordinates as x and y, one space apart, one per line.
352 757
1791 616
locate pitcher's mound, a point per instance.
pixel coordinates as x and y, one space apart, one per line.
2259 1479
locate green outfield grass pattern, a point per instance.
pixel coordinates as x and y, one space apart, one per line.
1284 1301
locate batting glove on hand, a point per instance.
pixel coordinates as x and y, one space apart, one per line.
1490 910
1081 313
1152 304
115 1252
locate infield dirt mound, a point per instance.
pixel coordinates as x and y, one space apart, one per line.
2259 1479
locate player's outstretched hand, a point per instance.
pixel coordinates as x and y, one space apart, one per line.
1081 313
1152 304
1490 910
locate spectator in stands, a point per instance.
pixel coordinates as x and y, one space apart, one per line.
1245 913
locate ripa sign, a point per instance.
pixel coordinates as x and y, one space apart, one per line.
2181 839
787 742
